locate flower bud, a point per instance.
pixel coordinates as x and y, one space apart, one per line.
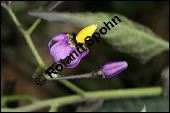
112 69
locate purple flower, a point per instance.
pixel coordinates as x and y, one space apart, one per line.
66 49
112 69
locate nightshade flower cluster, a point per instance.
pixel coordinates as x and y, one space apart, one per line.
70 49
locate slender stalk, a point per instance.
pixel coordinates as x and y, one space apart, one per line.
86 75
11 98
34 50
26 35
93 74
34 25
18 97
53 108
121 93
55 5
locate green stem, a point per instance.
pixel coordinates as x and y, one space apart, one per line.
6 99
34 50
34 25
26 35
18 97
54 108
121 93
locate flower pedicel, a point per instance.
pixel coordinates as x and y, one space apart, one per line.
107 70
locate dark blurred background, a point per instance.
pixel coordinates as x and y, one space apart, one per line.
18 63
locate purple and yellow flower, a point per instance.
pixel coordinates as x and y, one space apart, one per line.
68 47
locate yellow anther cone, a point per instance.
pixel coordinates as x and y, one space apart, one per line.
87 31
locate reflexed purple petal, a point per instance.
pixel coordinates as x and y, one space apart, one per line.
113 68
63 49
66 52
59 37
56 48
63 53
76 61
69 51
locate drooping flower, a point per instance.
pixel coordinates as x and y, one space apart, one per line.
112 69
68 51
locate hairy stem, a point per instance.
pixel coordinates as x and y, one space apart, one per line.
86 75
121 93
93 74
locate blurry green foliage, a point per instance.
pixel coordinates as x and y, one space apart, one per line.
127 36
152 104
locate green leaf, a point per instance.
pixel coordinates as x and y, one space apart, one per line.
153 104
127 36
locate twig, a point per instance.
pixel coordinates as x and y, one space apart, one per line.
53 108
55 5
11 98
26 35
34 25
18 97
121 93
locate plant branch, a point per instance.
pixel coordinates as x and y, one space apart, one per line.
93 74
86 75
11 98
34 25
34 50
26 35
121 93
18 97
55 5
53 108
14 17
